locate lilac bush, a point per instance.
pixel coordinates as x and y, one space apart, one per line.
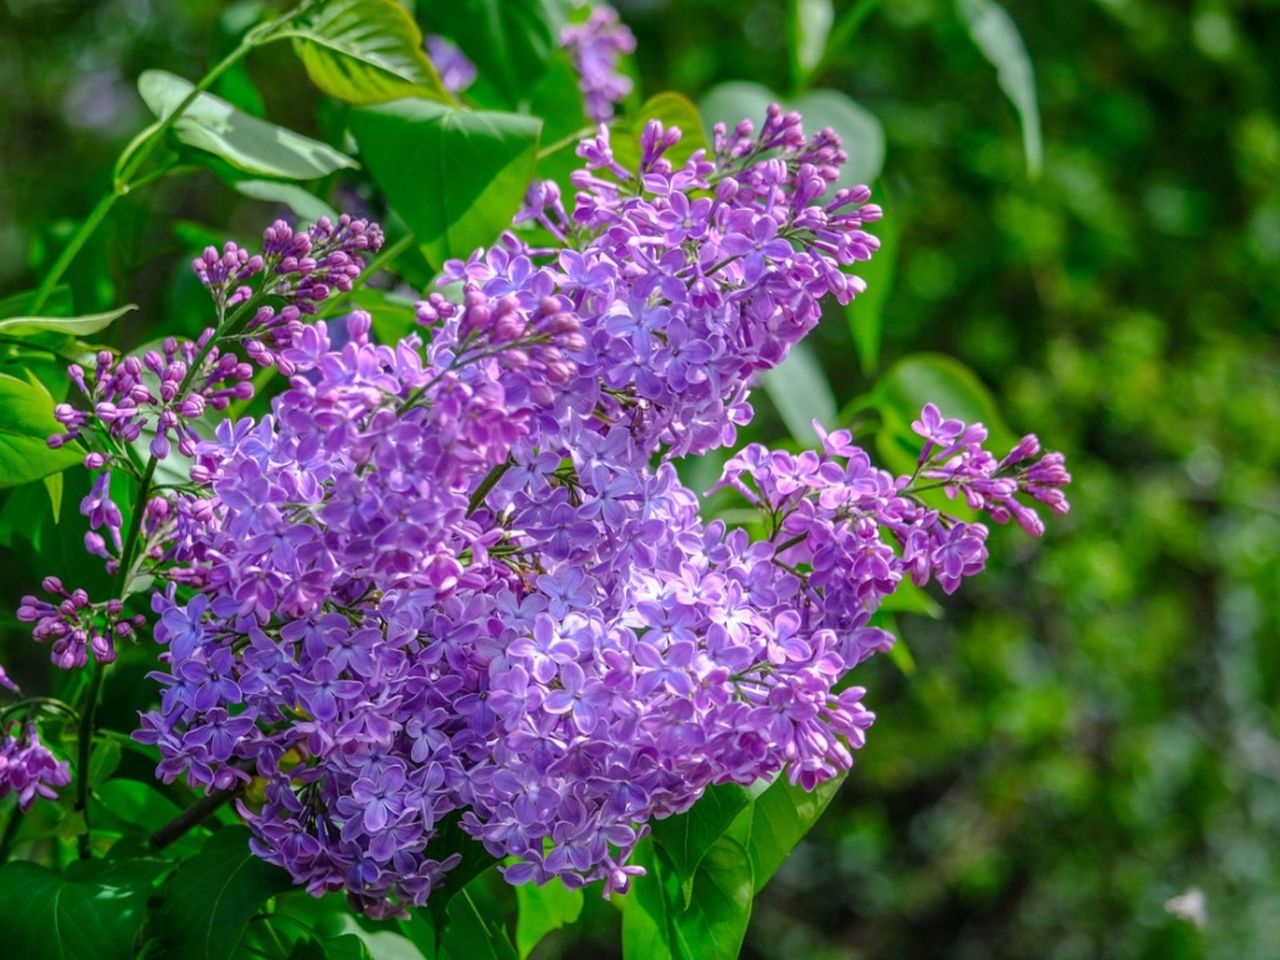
457 577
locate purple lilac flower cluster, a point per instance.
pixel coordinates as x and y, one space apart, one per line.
458 576
457 73
595 47
463 580
28 768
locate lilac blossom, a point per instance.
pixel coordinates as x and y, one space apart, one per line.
595 47
458 576
28 768
457 73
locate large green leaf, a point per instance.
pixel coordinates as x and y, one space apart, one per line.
71 326
809 23
475 860
92 913
511 42
776 821
457 177
471 936
211 898
543 909
647 932
26 423
247 143
922 378
997 36
686 838
674 110
860 131
715 922
866 312
365 51
799 389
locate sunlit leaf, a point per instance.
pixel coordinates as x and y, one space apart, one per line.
542 910
997 36
859 130
686 838
26 423
365 51
247 143
866 311
457 177
799 389
673 110
21 326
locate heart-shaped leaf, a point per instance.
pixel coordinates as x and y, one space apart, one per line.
457 177
210 899
93 915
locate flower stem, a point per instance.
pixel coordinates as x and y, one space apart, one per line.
141 149
191 817
85 749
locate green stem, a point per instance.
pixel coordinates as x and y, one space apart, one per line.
10 832
843 32
85 749
140 150
68 254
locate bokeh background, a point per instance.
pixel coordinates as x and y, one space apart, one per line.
1092 729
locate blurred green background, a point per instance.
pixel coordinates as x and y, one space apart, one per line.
1093 728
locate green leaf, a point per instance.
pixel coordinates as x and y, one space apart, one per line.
859 130
94 915
365 51
713 926
799 389
450 839
922 378
247 143
511 42
457 177
103 761
543 909
394 316
135 803
997 36
810 24
71 326
674 110
686 838
211 898
470 936
647 933
26 423
303 203
778 820
908 598
866 311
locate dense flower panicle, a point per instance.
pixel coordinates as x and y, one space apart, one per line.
461 580
595 47
457 73
28 768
